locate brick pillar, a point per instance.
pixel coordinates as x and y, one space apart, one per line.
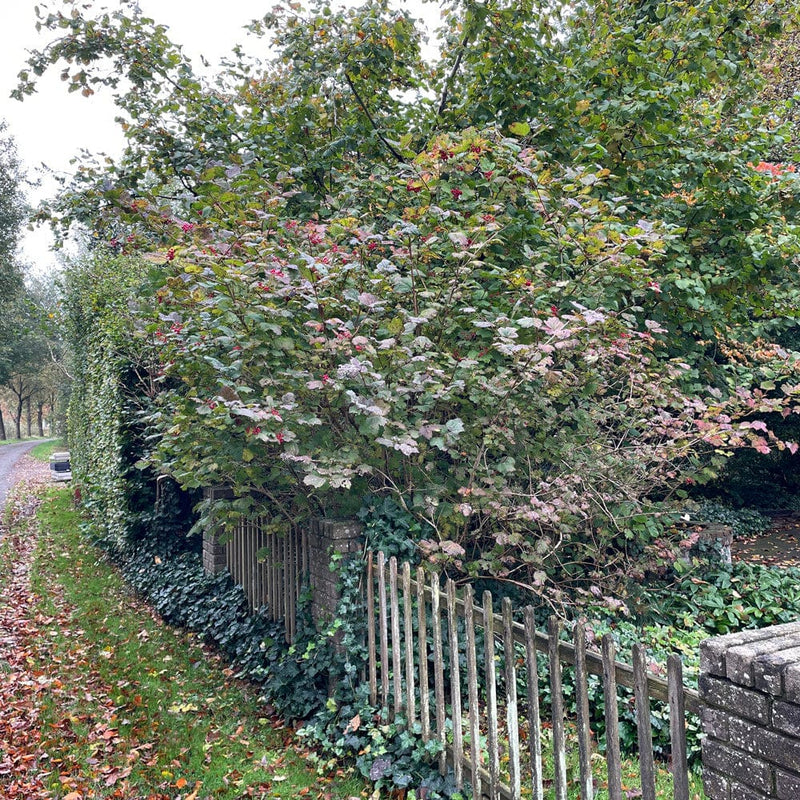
750 694
327 537
214 559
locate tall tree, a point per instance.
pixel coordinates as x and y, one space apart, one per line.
13 212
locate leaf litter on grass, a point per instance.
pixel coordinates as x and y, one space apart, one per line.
101 700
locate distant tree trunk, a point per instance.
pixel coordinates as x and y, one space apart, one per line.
29 416
40 416
2 425
18 418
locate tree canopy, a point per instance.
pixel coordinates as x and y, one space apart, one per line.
529 290
12 214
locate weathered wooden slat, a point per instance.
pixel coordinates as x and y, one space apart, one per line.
656 686
370 591
613 759
512 706
455 685
422 648
582 709
285 577
677 728
438 670
394 609
472 690
557 707
491 697
384 630
408 639
643 727
262 563
534 719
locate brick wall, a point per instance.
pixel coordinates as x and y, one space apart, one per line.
750 691
327 537
214 560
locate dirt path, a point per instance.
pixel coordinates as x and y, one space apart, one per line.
778 546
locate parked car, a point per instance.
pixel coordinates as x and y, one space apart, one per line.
60 468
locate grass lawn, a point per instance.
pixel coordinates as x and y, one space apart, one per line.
132 708
124 706
42 451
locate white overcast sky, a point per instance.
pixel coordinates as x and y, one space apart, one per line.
52 126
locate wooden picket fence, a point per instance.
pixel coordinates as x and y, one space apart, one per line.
270 567
482 704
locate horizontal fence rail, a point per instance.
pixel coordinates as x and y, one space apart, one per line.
469 678
271 568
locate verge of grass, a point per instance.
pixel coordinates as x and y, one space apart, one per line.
136 709
18 441
43 451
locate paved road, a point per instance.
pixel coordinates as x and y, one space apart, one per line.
9 455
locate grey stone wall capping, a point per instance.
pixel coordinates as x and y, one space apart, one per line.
770 669
741 661
713 651
750 714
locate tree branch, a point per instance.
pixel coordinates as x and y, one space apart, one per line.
386 143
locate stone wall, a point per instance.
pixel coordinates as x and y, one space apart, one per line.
750 693
214 560
327 537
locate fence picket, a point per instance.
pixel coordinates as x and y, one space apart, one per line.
455 686
472 687
512 709
373 672
644 731
408 636
534 720
677 728
384 631
394 610
557 706
491 698
438 670
422 639
613 759
582 708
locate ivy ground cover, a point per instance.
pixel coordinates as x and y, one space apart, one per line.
99 699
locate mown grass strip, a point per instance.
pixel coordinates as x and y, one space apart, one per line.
43 451
136 709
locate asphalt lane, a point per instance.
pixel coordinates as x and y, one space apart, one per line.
9 455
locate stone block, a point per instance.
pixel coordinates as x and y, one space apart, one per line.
791 683
787 785
786 718
741 792
736 699
716 786
714 722
764 744
738 766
